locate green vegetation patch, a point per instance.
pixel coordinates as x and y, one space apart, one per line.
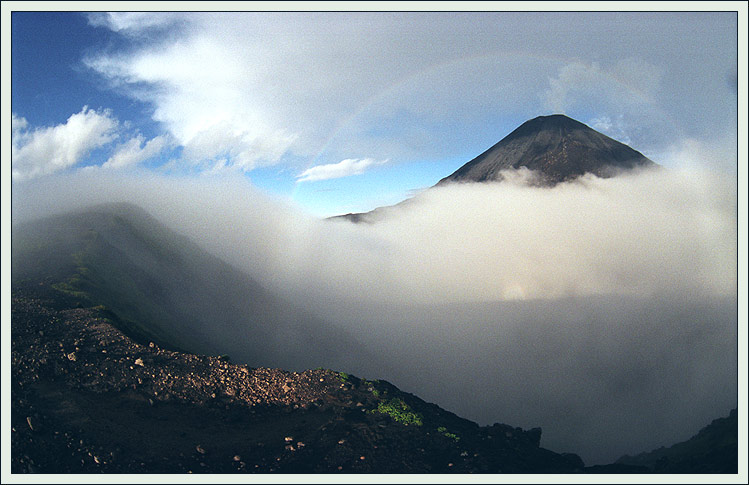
370 385
399 411
70 288
443 431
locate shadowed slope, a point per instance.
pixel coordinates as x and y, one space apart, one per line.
163 287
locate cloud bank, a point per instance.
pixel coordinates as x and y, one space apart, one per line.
602 310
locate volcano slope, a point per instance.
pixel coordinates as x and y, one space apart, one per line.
162 287
116 368
86 398
98 385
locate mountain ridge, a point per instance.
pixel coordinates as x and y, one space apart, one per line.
163 287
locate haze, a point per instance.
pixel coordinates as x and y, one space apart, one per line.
602 310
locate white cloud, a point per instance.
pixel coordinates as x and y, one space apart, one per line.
47 150
258 88
132 22
209 92
613 281
720 151
18 124
647 234
252 87
344 168
131 153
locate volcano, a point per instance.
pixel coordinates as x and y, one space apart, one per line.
557 148
554 149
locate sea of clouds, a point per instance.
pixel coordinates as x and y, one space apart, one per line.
602 310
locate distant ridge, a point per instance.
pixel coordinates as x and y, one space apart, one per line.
713 450
557 148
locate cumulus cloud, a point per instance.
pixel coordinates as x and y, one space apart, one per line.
47 150
602 310
18 124
344 168
256 88
206 92
134 151
252 87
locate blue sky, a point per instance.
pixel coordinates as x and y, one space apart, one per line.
343 112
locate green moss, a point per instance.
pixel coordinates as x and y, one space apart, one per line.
399 411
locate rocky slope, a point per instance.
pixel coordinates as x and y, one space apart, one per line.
87 398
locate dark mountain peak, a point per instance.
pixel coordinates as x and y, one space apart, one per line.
557 148
549 122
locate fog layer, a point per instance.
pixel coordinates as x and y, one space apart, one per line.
602 310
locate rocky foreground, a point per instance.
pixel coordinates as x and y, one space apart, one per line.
86 399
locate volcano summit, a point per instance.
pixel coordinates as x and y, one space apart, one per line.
557 147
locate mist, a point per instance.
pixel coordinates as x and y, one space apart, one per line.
602 310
